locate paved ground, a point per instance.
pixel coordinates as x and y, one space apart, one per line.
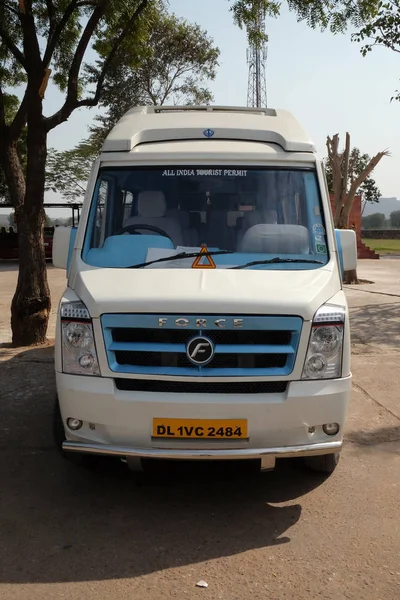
68 533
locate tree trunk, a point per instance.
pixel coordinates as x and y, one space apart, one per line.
343 219
30 308
350 277
14 175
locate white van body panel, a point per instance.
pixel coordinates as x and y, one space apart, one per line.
119 421
144 125
205 292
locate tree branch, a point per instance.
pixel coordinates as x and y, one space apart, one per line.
345 163
10 160
115 48
55 36
72 88
32 54
2 124
19 121
72 102
365 173
337 180
15 51
51 17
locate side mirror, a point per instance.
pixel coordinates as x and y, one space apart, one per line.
347 248
63 243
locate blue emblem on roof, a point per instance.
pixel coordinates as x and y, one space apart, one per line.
209 133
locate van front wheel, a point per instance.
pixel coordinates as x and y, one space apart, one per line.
326 463
82 460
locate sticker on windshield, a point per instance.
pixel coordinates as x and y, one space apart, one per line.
204 173
204 260
318 229
321 248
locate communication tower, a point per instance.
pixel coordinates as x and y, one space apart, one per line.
257 56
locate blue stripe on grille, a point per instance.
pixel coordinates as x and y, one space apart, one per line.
219 348
274 324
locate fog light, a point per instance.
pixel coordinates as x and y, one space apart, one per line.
74 424
331 428
86 361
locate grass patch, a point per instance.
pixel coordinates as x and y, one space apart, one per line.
383 246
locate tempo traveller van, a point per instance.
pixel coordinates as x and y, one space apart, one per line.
204 316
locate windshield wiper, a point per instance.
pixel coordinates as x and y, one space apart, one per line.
278 260
179 257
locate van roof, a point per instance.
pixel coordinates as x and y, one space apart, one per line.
149 124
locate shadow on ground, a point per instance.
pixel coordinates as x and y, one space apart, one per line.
8 265
59 522
376 324
13 265
376 436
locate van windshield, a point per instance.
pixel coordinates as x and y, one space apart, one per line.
242 214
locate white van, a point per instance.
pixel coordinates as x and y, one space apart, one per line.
204 316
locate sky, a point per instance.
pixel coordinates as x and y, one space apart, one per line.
321 78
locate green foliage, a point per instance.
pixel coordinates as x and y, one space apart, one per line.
67 172
375 221
395 219
11 103
50 38
170 62
357 163
59 26
336 15
383 30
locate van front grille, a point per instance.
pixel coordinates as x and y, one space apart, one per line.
259 346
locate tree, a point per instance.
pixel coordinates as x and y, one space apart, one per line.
346 181
395 219
317 13
176 59
374 221
357 164
46 41
382 30
349 171
42 41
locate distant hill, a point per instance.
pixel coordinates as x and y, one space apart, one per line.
385 206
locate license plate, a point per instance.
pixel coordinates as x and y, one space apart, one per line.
200 428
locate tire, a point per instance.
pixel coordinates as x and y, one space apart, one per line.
81 460
326 463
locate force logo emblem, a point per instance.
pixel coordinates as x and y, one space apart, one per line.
200 350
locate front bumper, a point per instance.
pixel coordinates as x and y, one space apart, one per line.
267 456
282 425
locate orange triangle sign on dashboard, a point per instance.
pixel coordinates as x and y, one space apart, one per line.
204 262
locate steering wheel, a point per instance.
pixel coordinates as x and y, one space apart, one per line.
133 229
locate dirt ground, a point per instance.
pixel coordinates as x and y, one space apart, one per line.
70 533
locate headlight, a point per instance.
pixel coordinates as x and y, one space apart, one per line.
78 335
325 348
78 348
